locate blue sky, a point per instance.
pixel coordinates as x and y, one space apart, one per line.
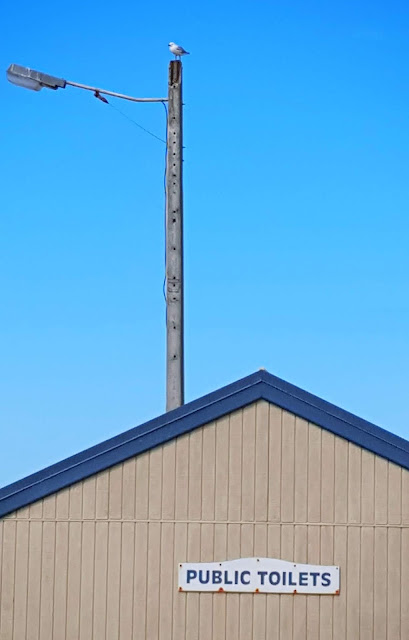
296 212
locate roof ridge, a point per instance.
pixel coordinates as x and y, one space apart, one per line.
208 408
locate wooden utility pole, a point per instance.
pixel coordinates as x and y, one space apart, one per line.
174 243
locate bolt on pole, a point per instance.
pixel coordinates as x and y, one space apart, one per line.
174 243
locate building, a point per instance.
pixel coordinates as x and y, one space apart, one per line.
91 547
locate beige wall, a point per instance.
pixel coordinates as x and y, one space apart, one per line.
98 561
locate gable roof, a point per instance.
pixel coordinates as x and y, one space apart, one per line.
258 386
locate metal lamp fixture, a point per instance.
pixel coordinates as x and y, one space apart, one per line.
34 80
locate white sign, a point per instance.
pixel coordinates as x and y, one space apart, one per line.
258 575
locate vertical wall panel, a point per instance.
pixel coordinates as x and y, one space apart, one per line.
394 583
274 541
260 540
340 602
21 577
222 466
100 579
381 491
47 581
301 470
167 568
74 579
273 602
274 465
34 581
195 474
192 605
314 474
7 578
380 582
287 601
128 489
115 493
326 558
327 476
287 467
353 577
260 630
219 600
61 573
102 497
155 484
300 602
233 599
260 602
75 504
114 579
313 604
405 497
246 599
404 585
168 481
209 472
249 458
206 599
179 601
126 596
261 465
89 488
153 583
141 578
36 509
341 481
62 504
368 487
235 468
87 575
394 494
220 541
49 507
354 483
367 584
300 544
182 478
142 487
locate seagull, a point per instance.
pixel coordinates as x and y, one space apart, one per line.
177 51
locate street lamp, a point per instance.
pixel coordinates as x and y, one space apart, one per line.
36 80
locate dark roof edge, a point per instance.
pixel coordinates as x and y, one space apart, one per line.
259 385
337 421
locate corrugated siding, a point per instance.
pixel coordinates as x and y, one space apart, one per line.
98 560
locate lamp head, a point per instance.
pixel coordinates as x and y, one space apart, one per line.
34 80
